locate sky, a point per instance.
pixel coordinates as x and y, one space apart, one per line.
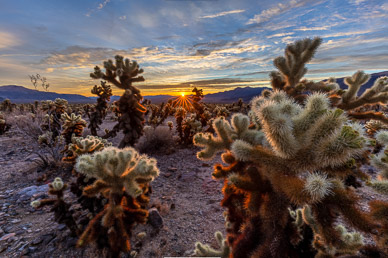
215 45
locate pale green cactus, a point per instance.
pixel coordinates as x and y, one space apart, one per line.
116 169
87 145
72 120
350 242
202 250
226 134
380 161
294 131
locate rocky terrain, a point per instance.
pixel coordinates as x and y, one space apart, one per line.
184 196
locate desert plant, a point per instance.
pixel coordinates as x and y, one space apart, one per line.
4 126
61 209
104 92
73 126
122 74
155 139
292 68
298 158
122 177
43 80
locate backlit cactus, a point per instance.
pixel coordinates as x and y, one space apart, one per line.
123 176
87 145
122 74
298 158
104 92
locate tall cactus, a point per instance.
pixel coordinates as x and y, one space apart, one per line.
104 92
122 74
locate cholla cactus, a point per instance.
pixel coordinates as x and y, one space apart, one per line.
180 114
104 92
88 145
299 157
170 125
202 250
221 111
73 126
190 126
373 126
377 94
292 68
61 209
122 176
122 74
3 124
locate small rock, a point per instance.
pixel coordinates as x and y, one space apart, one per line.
155 219
37 241
7 236
205 165
172 169
167 175
61 227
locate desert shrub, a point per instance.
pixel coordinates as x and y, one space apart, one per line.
43 144
155 139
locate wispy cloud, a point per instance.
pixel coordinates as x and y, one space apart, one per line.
313 28
8 40
278 9
99 7
221 14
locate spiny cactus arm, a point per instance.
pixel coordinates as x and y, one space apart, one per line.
202 250
145 171
351 241
97 187
380 161
376 94
354 83
277 128
214 144
316 106
292 66
244 151
338 148
126 71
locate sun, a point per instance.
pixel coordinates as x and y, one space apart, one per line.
182 94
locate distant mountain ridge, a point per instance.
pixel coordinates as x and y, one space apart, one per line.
20 94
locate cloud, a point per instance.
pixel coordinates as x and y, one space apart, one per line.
8 40
221 14
280 35
123 17
99 7
312 28
356 2
280 8
102 5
